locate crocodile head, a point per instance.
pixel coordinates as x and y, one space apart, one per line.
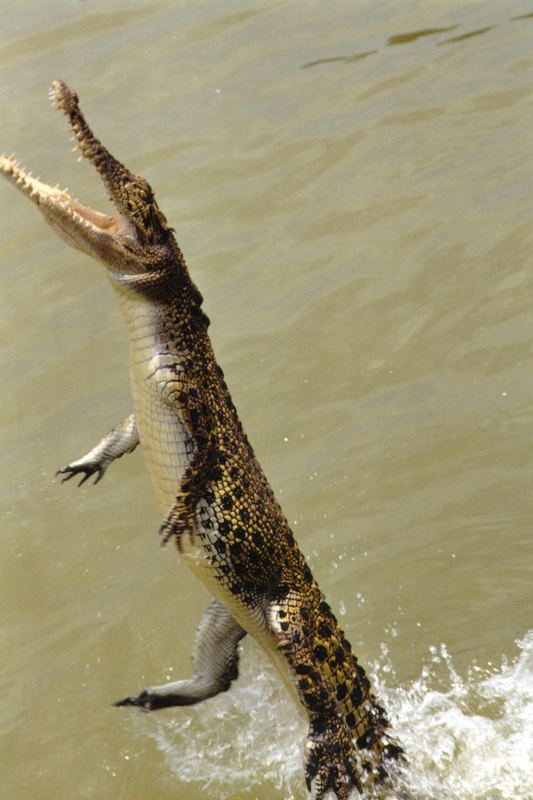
136 239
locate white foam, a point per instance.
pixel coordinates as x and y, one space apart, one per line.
471 738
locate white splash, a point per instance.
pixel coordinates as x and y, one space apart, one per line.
250 738
471 738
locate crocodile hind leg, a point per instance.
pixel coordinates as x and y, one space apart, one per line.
215 664
348 740
123 438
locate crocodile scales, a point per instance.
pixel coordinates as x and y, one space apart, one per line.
216 501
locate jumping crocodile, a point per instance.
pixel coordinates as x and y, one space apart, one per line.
214 497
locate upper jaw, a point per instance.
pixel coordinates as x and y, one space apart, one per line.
131 194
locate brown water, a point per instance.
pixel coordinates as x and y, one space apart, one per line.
351 185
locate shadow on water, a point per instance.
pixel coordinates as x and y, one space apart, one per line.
410 37
345 59
413 36
469 35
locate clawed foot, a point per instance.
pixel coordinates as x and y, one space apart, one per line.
142 700
331 763
85 469
146 700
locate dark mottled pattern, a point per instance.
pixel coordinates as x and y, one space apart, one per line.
253 554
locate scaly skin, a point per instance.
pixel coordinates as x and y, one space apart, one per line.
216 500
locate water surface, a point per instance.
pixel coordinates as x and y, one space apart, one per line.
351 186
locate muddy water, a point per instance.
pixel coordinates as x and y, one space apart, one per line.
351 184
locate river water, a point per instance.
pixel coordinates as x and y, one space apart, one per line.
350 183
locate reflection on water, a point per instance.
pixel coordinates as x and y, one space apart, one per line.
467 737
468 35
409 38
344 59
413 36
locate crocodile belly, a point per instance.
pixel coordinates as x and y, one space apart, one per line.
165 441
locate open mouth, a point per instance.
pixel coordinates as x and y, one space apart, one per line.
120 241
108 238
53 199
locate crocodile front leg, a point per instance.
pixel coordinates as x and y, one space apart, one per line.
121 439
215 665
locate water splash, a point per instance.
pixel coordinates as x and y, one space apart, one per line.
244 743
471 738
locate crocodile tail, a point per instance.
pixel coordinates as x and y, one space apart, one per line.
365 718
348 743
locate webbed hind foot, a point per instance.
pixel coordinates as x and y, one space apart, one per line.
331 762
215 665
144 700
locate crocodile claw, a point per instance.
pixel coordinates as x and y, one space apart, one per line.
87 471
145 700
331 766
141 700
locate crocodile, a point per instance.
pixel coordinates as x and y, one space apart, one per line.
215 500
